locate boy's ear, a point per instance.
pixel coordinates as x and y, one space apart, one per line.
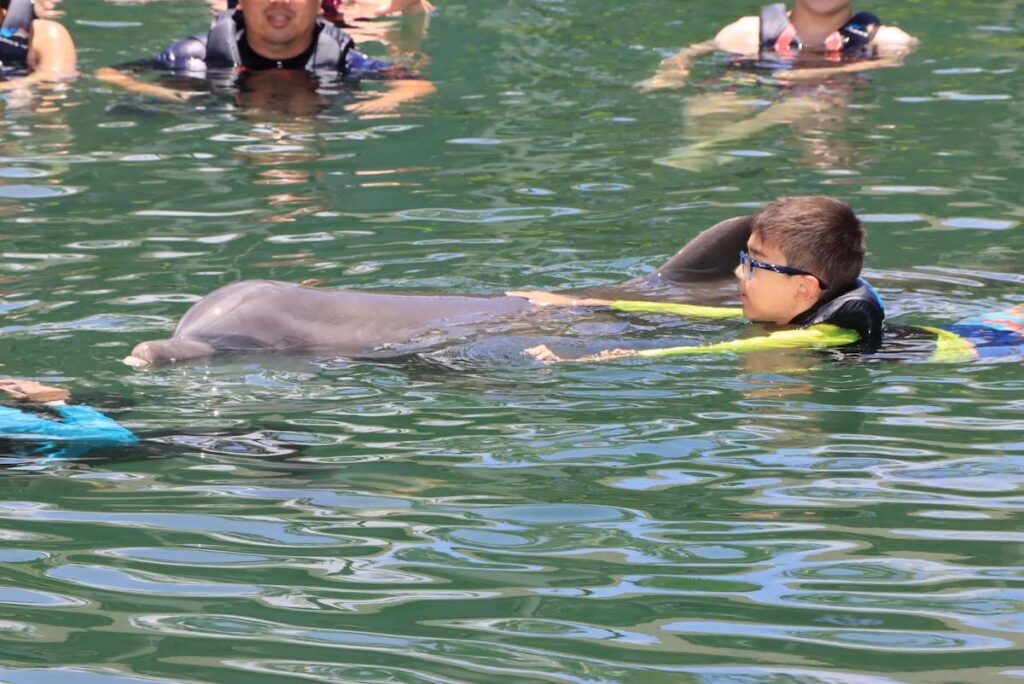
809 288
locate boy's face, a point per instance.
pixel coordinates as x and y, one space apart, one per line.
770 297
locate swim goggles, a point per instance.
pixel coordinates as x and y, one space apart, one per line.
747 266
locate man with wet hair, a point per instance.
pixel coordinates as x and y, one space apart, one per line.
274 35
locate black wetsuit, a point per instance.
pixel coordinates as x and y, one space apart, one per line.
224 46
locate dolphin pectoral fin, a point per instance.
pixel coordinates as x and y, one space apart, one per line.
168 351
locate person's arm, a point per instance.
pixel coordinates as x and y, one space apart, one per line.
739 37
539 298
821 336
78 423
402 90
401 83
126 81
51 55
406 7
47 9
892 44
32 391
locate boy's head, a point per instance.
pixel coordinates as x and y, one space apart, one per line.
816 245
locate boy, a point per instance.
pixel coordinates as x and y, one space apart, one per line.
824 28
801 267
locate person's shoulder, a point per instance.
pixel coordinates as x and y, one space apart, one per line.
894 37
49 30
741 36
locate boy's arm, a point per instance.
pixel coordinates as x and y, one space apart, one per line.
32 391
740 37
185 56
538 298
821 336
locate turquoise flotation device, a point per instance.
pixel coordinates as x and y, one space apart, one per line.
78 423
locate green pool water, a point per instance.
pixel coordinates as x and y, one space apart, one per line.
467 515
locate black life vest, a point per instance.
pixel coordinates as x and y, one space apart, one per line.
15 33
329 53
860 308
779 38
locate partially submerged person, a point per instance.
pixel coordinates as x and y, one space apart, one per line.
335 10
799 266
813 31
28 43
804 53
274 35
68 422
798 262
799 275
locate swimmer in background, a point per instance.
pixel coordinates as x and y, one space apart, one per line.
275 36
817 40
30 42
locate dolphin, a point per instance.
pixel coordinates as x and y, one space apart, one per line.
271 315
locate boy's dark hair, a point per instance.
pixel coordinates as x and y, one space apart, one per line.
817 234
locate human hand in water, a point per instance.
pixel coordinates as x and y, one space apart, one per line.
661 82
46 9
543 353
540 298
32 391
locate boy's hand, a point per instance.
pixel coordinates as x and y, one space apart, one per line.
32 391
540 298
543 354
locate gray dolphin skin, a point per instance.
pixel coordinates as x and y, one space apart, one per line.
269 315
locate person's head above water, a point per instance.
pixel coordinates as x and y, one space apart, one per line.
280 29
801 250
